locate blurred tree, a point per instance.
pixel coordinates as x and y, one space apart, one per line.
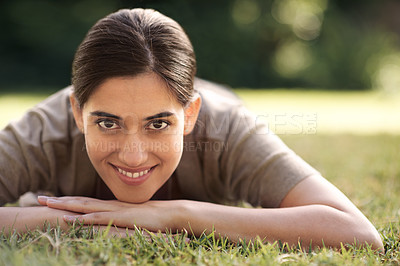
39 39
329 44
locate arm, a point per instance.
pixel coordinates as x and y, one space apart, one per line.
314 211
21 219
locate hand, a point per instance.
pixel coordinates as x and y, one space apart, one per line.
153 215
22 219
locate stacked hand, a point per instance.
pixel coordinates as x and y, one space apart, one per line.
154 216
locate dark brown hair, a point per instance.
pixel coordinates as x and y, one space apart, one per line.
132 42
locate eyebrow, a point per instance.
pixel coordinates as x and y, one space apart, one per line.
160 115
105 114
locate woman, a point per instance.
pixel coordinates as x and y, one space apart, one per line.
141 142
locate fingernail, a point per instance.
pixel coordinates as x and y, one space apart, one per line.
50 200
42 197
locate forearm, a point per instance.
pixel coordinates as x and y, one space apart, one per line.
21 219
312 223
315 224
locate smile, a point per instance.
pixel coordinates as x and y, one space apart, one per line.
133 174
134 177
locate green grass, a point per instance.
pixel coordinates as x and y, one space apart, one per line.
299 111
13 106
87 247
363 164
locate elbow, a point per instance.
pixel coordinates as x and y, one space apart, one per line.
365 234
371 238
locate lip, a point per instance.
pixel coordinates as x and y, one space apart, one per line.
133 181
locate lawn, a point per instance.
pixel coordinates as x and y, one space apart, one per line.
352 138
304 112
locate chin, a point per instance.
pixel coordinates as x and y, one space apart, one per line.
134 200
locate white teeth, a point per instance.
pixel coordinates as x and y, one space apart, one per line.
133 175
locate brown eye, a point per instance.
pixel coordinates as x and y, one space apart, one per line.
108 124
158 125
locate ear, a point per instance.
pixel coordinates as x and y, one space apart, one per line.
77 112
191 114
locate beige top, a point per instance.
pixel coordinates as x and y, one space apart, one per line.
228 157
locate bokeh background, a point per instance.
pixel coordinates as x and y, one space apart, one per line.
323 74
319 44
303 66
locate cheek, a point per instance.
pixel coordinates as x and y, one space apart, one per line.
169 147
99 147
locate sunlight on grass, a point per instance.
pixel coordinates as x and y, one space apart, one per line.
13 106
310 112
286 111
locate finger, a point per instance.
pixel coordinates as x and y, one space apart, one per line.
97 218
103 218
45 198
82 204
42 200
67 198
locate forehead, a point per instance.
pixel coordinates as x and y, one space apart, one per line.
144 93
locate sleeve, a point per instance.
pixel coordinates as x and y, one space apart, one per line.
256 166
44 150
23 161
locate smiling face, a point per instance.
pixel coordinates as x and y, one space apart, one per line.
134 132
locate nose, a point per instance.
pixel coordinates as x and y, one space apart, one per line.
134 152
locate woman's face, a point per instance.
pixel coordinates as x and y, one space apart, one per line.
134 133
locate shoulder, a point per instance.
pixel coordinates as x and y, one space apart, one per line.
216 98
216 93
220 109
44 127
43 150
52 117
